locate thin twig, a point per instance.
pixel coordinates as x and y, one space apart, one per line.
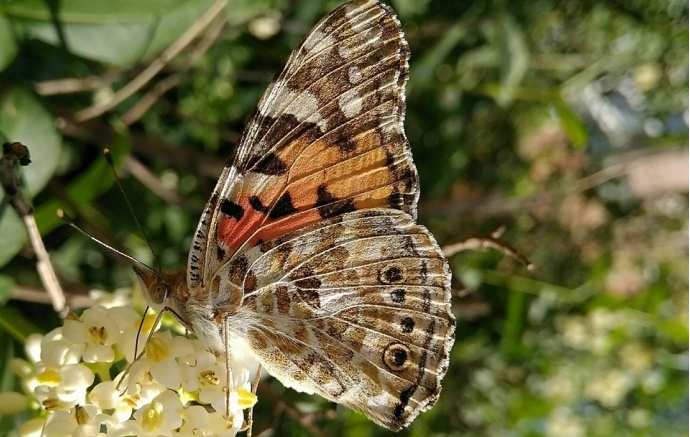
155 66
482 243
77 85
98 133
15 154
74 299
145 103
150 181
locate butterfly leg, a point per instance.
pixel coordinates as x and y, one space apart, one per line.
148 338
228 370
250 413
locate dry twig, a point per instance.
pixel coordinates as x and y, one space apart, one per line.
155 66
145 103
18 154
492 241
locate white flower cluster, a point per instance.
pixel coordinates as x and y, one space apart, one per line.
84 375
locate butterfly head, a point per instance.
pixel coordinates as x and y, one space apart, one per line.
156 288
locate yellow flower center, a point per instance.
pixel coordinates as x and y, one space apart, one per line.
53 404
49 377
147 326
208 378
153 417
157 349
246 399
131 400
81 415
98 334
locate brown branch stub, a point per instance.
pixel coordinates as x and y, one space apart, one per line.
14 154
482 243
18 154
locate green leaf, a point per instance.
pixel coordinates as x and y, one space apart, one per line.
408 8
422 72
88 11
23 119
86 187
120 33
241 11
514 57
6 285
8 44
13 233
574 128
16 325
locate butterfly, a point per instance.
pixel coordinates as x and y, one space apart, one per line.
307 253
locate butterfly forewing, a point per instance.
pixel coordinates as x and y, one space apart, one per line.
307 250
326 139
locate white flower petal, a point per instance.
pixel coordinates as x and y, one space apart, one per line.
105 395
161 416
76 376
12 402
95 353
168 373
196 416
220 426
125 429
100 327
22 368
60 423
181 346
125 317
74 331
54 352
32 347
32 427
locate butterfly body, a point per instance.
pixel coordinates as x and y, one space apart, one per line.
307 252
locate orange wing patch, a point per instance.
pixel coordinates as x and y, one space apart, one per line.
320 181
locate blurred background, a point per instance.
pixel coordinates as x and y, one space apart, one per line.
563 123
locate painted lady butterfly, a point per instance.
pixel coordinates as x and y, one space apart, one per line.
307 252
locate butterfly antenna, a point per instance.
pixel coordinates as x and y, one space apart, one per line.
62 215
109 158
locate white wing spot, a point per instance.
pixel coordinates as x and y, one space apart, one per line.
373 35
344 52
350 103
351 9
354 75
313 40
302 104
317 42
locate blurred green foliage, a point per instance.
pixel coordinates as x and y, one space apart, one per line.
564 122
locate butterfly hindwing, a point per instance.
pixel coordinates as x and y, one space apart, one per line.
354 308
